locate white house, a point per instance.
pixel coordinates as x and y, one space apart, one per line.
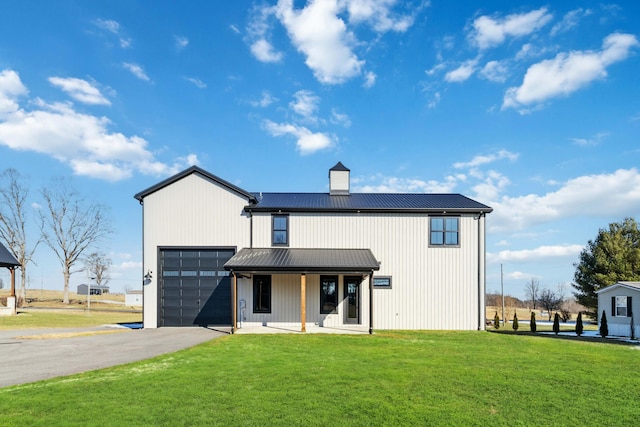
215 254
620 301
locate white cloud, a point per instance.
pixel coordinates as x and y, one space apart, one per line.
318 33
488 158
136 70
594 140
307 141
369 79
305 104
234 29
199 83
378 13
568 72
81 141
614 194
10 89
80 90
266 100
537 254
181 42
340 119
114 28
489 31
264 51
495 71
390 184
462 73
570 20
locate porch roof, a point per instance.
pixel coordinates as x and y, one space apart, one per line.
7 259
303 260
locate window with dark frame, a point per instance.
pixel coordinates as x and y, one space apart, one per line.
445 231
382 281
621 306
280 226
262 294
328 294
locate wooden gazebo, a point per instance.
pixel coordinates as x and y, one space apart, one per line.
7 260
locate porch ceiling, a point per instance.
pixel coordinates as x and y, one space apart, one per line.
303 260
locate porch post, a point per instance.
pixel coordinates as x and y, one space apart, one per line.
13 282
234 303
371 303
303 302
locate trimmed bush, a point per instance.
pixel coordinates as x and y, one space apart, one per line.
633 330
515 322
532 322
556 323
579 327
496 321
604 328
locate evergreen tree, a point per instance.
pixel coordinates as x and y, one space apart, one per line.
532 322
633 331
604 328
613 256
496 321
579 327
556 323
515 321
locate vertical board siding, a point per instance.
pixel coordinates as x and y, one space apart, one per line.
432 288
191 212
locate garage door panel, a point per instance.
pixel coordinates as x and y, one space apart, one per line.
195 288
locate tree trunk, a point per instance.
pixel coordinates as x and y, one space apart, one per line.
66 274
22 292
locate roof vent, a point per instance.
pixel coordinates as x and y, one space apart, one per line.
339 180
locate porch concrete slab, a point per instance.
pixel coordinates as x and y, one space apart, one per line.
34 355
275 329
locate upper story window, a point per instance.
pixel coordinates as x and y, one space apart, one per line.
280 234
445 231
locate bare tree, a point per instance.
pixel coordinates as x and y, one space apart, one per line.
14 216
71 226
97 266
550 301
532 290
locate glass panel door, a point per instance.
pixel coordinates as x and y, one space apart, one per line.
352 299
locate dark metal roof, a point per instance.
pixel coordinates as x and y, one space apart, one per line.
6 258
303 260
193 169
367 202
340 167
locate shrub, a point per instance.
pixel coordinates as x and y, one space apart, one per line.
604 328
556 323
496 321
633 331
515 322
532 322
565 315
579 326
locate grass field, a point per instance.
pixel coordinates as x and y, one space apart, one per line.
30 318
390 378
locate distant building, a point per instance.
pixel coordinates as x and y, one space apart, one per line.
95 289
133 299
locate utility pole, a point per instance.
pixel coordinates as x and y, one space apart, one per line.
502 288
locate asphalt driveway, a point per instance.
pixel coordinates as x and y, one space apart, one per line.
37 354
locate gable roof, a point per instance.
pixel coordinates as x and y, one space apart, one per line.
340 167
629 285
6 258
303 260
367 202
193 169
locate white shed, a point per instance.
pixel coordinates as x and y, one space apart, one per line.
620 301
133 299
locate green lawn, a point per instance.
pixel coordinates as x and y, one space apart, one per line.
29 319
390 378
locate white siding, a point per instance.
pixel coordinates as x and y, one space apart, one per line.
191 212
432 288
620 326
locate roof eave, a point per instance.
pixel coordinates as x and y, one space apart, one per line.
254 208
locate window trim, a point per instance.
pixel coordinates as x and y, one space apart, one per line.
337 282
255 302
443 232
627 305
389 279
273 229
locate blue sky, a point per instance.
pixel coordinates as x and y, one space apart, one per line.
530 107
